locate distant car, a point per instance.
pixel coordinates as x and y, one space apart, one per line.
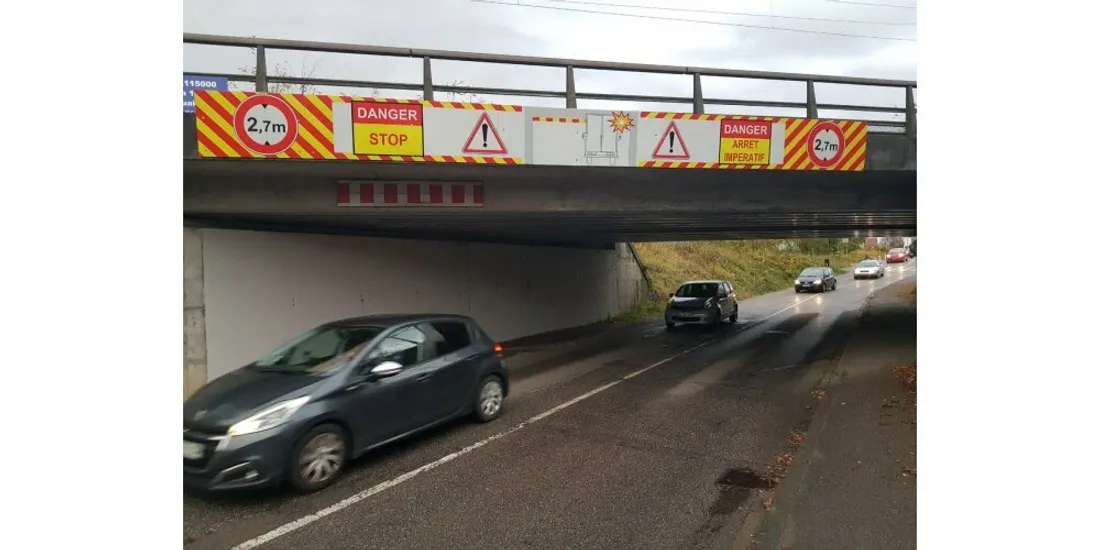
869 269
896 255
300 413
815 279
702 302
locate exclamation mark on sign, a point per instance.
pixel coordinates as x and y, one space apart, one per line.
484 135
671 140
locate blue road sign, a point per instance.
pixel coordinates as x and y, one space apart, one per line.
192 82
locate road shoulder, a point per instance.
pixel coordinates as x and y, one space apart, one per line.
853 481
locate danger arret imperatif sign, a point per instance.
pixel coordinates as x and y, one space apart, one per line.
745 142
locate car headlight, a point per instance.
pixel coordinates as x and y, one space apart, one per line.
796 281
269 417
817 282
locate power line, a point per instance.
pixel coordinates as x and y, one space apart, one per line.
731 13
871 4
698 21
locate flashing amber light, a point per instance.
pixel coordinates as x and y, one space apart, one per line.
498 349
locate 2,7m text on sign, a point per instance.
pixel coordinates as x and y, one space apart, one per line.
388 128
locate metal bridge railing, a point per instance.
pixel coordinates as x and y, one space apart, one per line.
428 88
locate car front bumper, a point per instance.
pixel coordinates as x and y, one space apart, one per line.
238 462
691 316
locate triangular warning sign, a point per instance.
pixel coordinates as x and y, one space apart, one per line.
484 138
671 145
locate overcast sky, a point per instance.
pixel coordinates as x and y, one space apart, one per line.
683 32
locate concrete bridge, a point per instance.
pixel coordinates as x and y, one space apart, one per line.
303 208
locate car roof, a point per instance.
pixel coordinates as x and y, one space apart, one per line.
388 320
706 281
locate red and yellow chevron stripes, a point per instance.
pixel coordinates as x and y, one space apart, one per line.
796 150
681 116
677 164
216 138
474 106
450 159
562 119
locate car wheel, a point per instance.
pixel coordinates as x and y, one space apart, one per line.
318 458
733 316
669 325
490 400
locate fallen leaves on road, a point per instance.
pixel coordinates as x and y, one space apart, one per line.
907 375
818 394
796 438
785 460
768 503
908 472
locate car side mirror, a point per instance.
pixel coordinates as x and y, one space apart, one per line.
671 294
385 369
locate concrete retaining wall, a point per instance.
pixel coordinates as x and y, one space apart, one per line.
259 289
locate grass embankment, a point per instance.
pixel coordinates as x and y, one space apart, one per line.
754 268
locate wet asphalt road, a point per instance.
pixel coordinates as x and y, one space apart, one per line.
633 465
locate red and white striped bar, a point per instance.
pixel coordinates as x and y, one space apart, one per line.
410 194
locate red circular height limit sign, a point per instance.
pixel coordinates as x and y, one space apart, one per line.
825 144
265 124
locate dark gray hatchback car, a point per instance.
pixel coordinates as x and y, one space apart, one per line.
702 302
299 414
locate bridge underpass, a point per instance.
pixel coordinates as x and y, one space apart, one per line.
268 253
274 246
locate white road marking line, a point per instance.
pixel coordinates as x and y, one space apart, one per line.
306 520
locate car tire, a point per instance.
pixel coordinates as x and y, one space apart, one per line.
733 316
318 458
670 326
489 399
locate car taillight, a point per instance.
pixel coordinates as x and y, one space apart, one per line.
498 349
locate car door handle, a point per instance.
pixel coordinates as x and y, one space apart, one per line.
423 377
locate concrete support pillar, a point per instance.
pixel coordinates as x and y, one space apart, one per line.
194 313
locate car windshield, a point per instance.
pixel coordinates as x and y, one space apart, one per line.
898 251
319 351
697 290
868 263
812 272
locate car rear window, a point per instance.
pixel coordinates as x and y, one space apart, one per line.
868 263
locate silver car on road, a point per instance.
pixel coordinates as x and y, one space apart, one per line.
870 269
